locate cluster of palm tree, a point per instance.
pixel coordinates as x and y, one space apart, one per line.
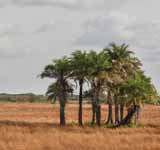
113 74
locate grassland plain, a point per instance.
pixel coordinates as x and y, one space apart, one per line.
25 126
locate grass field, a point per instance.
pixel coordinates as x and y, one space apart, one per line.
35 127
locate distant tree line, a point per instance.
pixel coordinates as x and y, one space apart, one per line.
28 97
113 73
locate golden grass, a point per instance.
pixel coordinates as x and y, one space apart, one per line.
35 127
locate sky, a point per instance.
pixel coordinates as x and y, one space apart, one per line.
34 32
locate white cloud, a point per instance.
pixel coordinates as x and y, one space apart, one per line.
16 53
8 30
13 30
43 2
69 4
104 29
120 27
146 34
46 27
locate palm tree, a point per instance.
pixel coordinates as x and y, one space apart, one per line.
60 70
79 72
123 65
137 89
53 91
98 64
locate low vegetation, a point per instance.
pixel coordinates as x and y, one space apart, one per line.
27 97
34 126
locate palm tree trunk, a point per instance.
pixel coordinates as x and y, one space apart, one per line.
121 112
98 106
62 115
117 112
137 115
96 103
93 110
62 100
80 102
131 112
110 117
98 115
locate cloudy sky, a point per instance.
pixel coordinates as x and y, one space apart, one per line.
33 32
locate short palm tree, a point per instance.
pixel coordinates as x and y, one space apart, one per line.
53 91
60 71
136 90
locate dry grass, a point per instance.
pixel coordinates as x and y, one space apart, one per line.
34 127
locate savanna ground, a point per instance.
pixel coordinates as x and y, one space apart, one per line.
35 127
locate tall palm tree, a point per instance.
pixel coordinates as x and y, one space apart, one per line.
60 70
123 65
98 64
79 64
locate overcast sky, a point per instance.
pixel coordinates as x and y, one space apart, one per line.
33 32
